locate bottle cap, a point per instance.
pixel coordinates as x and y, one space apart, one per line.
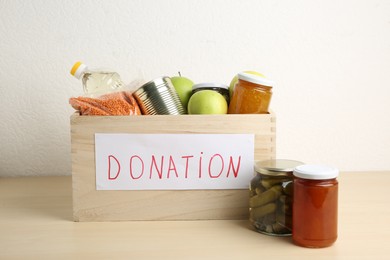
316 172
255 79
78 69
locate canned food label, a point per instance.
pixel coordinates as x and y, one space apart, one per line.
173 161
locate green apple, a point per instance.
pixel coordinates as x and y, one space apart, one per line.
183 87
235 79
207 102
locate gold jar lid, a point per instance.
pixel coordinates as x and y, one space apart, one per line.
277 167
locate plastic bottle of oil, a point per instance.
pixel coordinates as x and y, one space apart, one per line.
96 82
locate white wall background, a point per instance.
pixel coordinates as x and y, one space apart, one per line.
330 59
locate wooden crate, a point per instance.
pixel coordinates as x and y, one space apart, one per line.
90 204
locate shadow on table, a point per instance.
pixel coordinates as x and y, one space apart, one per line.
245 224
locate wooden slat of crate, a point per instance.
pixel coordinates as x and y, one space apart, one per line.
92 205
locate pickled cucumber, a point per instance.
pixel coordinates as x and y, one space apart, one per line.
257 213
265 197
268 183
276 228
259 190
285 204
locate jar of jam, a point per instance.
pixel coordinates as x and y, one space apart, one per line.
315 205
252 95
220 88
270 202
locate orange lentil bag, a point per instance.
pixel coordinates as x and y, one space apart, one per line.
113 104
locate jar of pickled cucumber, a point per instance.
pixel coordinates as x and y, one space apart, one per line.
271 191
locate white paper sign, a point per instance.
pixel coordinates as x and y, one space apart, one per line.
173 161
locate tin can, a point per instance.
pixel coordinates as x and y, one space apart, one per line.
159 97
270 202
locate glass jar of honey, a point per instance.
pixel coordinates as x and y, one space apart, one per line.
270 202
315 206
252 95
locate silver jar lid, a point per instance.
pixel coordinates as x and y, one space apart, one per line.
277 167
209 85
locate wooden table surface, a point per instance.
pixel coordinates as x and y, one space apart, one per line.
36 223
